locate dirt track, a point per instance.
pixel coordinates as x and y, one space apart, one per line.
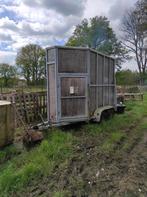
92 172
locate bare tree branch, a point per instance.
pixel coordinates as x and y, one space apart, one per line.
133 34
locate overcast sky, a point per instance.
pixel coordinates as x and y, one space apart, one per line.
51 22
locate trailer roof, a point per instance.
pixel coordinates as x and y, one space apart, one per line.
82 48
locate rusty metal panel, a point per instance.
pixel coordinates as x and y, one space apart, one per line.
72 60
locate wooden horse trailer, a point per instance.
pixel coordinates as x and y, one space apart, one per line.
80 84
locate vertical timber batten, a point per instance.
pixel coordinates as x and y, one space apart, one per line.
47 73
115 91
97 79
103 73
58 114
88 83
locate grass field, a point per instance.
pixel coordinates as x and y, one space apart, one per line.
6 90
87 160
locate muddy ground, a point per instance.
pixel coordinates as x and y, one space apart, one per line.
93 172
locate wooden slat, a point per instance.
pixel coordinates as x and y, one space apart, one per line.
72 61
28 105
131 96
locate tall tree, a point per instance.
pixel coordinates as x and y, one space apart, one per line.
127 77
133 29
97 33
7 73
31 60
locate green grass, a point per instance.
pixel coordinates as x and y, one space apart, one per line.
114 129
23 89
19 169
38 162
7 153
114 137
61 194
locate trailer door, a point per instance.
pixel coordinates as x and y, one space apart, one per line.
73 97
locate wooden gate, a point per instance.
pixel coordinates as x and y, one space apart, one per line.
73 96
30 106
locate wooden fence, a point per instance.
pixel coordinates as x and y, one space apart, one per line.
129 93
130 96
30 106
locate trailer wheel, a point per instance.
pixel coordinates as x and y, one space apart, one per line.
107 114
112 112
103 116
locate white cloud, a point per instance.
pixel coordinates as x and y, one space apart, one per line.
47 22
7 57
64 7
9 25
130 65
97 7
118 8
38 24
5 37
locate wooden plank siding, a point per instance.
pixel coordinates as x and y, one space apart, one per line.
102 84
73 104
74 62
